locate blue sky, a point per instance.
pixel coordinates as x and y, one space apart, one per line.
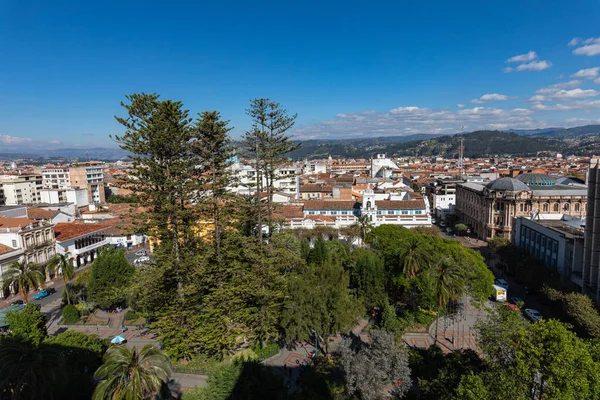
348 69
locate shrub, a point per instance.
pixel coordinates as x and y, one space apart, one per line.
131 315
70 314
578 308
267 351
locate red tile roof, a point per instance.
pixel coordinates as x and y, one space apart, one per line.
330 205
68 230
400 204
5 249
41 213
15 222
288 211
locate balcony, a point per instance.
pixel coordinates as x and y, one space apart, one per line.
89 247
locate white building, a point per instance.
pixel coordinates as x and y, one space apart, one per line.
82 241
78 196
34 238
8 255
382 167
55 178
21 189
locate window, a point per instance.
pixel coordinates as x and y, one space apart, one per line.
545 207
566 207
14 243
555 207
418 212
521 207
391 212
577 207
404 212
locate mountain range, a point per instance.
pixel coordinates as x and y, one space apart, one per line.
581 140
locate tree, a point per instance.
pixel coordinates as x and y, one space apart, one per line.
23 276
110 277
267 143
461 228
318 300
319 253
28 325
371 367
61 263
129 374
414 256
29 371
158 135
447 285
213 147
367 276
363 225
542 360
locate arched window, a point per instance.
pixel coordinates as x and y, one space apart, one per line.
368 205
521 207
555 207
546 206
577 207
566 207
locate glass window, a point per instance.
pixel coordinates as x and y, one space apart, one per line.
545 207
390 212
577 207
404 212
555 207
566 206
14 243
418 212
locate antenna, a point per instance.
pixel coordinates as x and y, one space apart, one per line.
461 153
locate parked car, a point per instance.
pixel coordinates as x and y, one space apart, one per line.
517 301
40 295
509 306
532 314
17 302
501 283
141 253
141 260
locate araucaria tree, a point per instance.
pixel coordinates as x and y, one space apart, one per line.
213 147
268 144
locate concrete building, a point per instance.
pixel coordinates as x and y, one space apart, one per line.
8 255
78 196
591 253
442 197
35 238
382 167
89 176
56 177
558 243
21 189
489 208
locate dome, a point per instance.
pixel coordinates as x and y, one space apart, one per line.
531 179
507 184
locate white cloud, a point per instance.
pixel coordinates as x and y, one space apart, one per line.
489 97
597 80
591 47
341 115
508 69
460 105
529 56
535 66
575 105
588 73
14 140
566 95
574 42
558 86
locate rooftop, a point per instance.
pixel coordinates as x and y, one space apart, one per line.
41 213
68 230
5 249
535 179
331 205
15 222
508 184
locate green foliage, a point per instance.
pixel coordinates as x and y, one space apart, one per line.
130 374
577 308
70 314
199 364
119 199
268 350
28 325
472 387
110 277
131 315
305 249
240 380
367 276
75 293
319 253
461 228
497 243
23 277
318 299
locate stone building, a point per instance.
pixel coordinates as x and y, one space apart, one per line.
489 208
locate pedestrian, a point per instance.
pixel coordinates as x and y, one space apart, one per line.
123 328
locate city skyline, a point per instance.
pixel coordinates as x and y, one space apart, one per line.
347 70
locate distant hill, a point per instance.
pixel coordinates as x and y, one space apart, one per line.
96 153
532 132
577 132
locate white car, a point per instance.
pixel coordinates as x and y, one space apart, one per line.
532 314
141 260
141 253
501 283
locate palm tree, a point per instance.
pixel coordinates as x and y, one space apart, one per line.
30 372
447 285
414 257
62 263
127 374
24 276
364 226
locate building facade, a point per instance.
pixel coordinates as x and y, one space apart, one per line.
82 241
55 177
21 189
35 238
489 208
591 254
558 243
89 176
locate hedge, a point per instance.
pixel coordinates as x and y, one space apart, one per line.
70 314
